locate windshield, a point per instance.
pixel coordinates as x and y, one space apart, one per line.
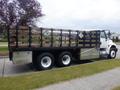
102 35
108 34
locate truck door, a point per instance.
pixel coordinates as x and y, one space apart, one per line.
103 40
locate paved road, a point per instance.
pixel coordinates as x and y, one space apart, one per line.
102 81
7 68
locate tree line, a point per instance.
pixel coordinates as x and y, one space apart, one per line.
116 39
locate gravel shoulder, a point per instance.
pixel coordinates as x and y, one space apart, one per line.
102 81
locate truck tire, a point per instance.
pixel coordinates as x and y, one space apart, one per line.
112 53
64 59
45 61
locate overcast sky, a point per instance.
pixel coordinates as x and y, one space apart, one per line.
81 14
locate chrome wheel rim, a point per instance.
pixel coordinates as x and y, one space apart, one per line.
66 59
112 53
46 62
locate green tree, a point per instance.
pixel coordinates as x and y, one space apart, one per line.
13 12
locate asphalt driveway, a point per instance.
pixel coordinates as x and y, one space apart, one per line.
7 68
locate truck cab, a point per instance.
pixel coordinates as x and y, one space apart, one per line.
108 48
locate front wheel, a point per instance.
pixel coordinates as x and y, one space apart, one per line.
112 54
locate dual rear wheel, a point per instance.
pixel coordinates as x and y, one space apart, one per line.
47 61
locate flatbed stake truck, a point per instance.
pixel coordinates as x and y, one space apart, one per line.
46 47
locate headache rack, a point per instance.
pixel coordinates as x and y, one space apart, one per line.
27 38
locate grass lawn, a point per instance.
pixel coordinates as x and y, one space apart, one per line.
3 43
43 78
116 88
3 48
